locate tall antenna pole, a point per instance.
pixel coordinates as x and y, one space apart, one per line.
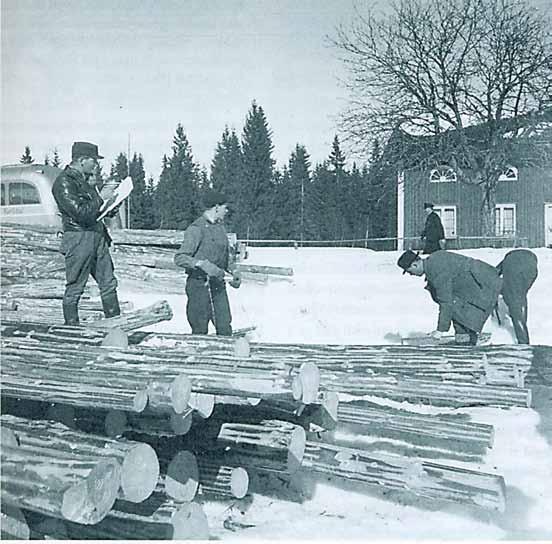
128 173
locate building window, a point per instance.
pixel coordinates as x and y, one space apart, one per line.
442 174
505 220
510 174
448 218
20 192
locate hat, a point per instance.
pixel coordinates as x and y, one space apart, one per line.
213 198
406 259
428 205
84 149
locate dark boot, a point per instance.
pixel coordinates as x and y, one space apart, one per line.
110 304
71 313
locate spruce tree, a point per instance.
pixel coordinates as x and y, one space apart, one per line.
178 190
138 205
299 180
56 161
26 158
227 166
255 211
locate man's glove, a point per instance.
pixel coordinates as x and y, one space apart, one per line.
236 280
212 270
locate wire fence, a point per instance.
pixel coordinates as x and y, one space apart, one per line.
392 243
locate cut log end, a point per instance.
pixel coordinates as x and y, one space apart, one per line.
239 482
115 423
202 403
89 501
181 423
296 388
182 478
116 338
309 375
139 473
181 389
190 523
8 437
242 348
296 449
140 401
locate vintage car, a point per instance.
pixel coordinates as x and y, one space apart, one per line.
26 195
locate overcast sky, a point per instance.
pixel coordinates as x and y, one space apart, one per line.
98 70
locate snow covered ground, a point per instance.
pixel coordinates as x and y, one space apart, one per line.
357 296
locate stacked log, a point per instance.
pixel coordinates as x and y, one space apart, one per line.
219 481
424 479
65 485
14 525
138 461
439 431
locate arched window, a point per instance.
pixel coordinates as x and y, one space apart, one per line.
442 174
509 174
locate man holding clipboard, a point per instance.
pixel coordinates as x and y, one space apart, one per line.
86 241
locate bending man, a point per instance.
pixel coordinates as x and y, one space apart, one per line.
519 271
466 289
204 254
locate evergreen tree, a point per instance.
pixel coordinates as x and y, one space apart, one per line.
138 202
56 161
178 190
152 212
255 212
26 158
299 180
46 160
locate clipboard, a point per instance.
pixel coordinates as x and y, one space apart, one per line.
121 193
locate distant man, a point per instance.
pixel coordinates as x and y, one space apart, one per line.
86 241
466 289
204 254
433 235
519 271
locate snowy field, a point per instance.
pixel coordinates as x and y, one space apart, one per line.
357 296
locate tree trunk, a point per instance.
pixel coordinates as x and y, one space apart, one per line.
68 486
220 481
160 311
138 461
424 479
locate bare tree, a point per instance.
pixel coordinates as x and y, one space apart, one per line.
474 76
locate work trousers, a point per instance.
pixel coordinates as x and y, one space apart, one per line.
208 301
87 253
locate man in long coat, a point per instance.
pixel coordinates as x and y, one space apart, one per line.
466 289
433 235
519 271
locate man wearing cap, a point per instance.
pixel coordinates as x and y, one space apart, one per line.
433 234
204 254
85 243
519 271
466 289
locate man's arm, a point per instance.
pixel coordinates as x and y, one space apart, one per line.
184 256
69 202
442 293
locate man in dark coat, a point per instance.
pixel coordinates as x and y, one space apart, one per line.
519 271
86 241
204 254
433 234
466 289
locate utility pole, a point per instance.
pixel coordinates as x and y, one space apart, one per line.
128 173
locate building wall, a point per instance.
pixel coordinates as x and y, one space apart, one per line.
530 192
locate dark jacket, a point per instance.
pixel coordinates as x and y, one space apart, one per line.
519 271
466 289
203 240
432 233
78 202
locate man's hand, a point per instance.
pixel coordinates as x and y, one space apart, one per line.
212 270
108 202
236 280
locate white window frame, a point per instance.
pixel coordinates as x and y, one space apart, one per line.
442 174
439 210
510 174
499 220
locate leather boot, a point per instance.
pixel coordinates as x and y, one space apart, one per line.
71 313
110 304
